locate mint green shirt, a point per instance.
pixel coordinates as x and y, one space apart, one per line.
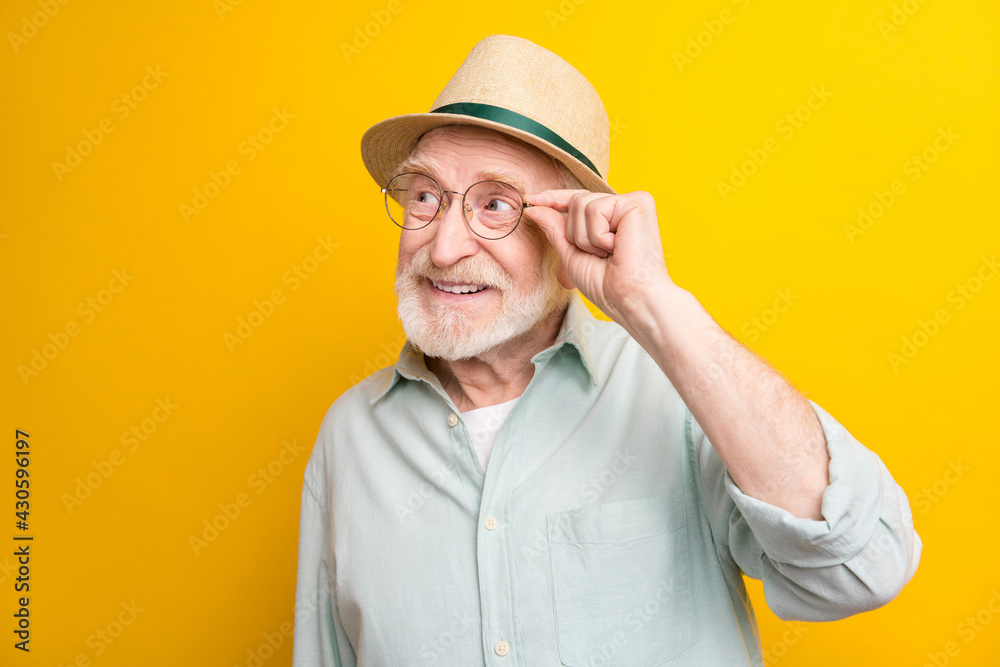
605 531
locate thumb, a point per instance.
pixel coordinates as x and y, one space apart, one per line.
553 224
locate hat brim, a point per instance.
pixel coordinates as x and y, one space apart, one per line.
386 144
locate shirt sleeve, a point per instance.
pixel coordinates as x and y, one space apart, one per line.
318 632
856 559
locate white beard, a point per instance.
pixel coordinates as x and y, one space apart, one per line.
449 332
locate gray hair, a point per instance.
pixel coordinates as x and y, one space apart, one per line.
567 181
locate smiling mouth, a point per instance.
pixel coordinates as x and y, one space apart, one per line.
458 288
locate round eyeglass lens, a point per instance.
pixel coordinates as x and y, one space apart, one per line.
493 209
412 200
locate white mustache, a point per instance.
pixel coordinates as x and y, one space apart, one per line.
476 270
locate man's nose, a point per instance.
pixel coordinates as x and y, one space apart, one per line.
453 239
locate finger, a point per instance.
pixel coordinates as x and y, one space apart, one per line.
579 221
557 199
553 225
600 214
573 261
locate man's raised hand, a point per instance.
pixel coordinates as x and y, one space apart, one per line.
609 246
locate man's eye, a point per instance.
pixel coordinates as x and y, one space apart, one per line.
426 198
498 205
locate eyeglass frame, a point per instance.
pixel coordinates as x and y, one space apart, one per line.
441 206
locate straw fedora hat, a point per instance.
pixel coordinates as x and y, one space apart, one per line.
515 87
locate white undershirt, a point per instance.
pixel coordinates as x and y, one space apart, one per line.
484 424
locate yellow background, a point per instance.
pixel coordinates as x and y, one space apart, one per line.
678 131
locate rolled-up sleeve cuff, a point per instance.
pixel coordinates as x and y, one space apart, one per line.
851 506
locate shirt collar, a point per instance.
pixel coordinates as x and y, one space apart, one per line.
578 328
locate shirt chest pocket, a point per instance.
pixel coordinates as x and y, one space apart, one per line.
621 583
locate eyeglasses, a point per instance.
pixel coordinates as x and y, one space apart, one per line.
491 209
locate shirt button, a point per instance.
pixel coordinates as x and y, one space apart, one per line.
452 419
501 648
490 523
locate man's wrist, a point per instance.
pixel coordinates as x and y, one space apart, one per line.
665 322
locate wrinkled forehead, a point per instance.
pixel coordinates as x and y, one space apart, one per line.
463 151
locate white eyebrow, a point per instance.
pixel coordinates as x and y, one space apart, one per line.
505 175
422 163
419 162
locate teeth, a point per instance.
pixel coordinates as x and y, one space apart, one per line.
458 289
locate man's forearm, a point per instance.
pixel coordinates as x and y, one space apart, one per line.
763 429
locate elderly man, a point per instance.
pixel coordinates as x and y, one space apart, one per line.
530 485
